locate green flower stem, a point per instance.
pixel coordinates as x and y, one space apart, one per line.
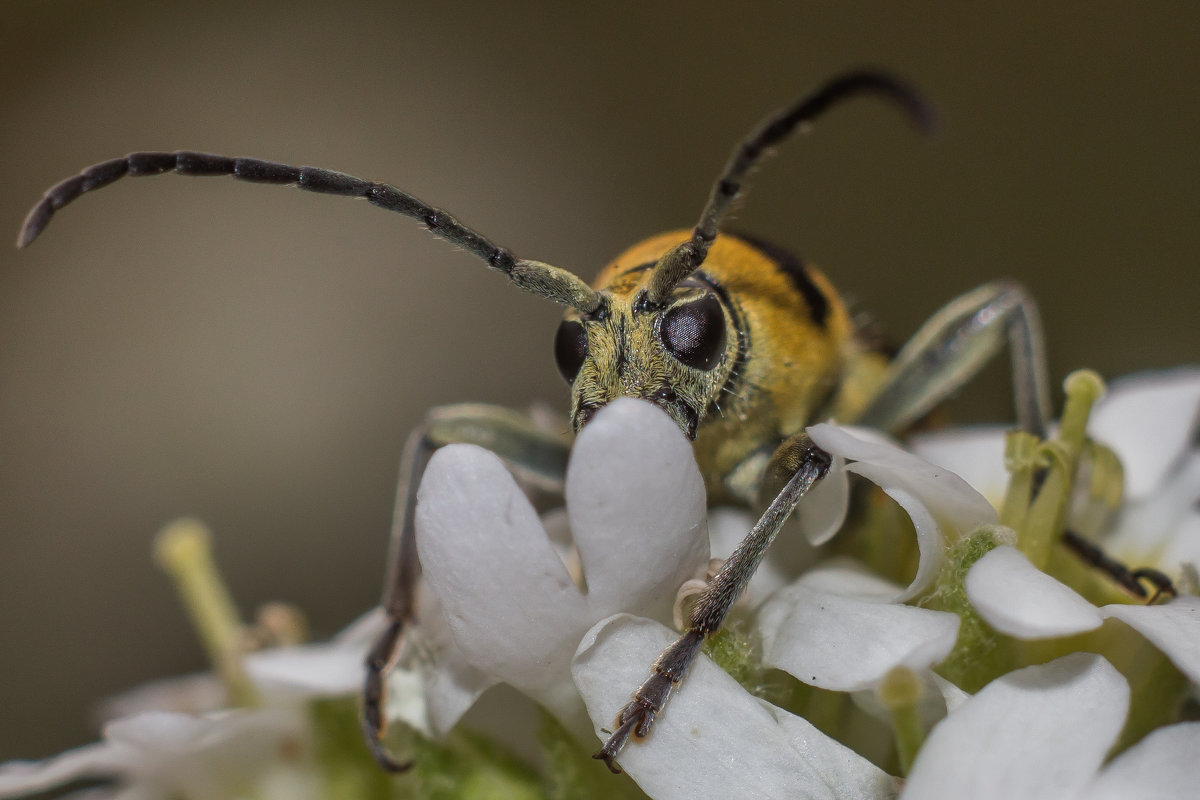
899 691
183 549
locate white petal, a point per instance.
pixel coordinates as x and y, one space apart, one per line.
164 754
319 670
1163 528
948 495
846 577
637 507
161 734
822 512
937 697
511 606
931 543
1184 546
429 691
847 642
1018 599
1161 765
451 687
165 732
951 694
364 630
975 454
1038 732
1148 420
1172 627
439 684
197 693
942 505
714 739
21 778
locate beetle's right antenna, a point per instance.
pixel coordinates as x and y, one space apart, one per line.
544 280
686 258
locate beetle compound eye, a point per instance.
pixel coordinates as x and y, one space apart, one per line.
695 333
570 348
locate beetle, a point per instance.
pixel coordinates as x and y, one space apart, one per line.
740 343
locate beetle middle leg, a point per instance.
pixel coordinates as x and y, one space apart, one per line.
535 452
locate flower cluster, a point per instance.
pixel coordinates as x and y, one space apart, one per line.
943 644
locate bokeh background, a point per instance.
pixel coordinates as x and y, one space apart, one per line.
256 356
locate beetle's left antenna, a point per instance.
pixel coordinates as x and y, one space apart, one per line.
544 280
686 258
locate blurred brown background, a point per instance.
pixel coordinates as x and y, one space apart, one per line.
255 356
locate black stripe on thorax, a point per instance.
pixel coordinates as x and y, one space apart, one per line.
791 266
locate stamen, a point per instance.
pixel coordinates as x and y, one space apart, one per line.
183 549
1083 388
899 691
1043 473
1044 524
1022 462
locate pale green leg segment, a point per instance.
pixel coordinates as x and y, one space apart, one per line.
513 436
951 348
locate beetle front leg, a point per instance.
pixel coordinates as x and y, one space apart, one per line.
510 435
806 464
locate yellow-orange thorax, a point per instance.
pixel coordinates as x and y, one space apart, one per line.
793 356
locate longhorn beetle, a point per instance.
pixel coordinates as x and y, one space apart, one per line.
741 344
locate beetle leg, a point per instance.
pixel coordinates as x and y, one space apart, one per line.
807 464
536 453
951 348
1132 581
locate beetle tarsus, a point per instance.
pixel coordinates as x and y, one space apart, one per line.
374 718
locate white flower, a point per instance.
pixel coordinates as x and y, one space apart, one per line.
942 505
837 627
843 629
635 501
165 755
159 752
1150 422
1016 598
715 739
1044 732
